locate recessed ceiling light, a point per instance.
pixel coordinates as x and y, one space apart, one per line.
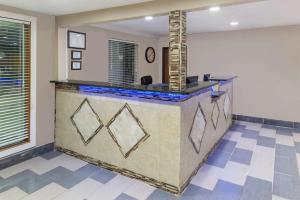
234 23
214 9
148 18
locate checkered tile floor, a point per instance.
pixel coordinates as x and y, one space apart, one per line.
252 162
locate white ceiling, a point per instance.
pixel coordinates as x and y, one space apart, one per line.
251 15
62 7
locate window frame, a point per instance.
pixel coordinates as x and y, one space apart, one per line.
136 74
32 135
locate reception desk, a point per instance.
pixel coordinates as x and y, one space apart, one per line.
144 132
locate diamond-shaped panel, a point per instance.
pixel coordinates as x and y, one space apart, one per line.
227 105
126 130
215 115
86 121
198 128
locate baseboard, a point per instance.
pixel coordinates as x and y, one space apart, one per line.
273 122
25 155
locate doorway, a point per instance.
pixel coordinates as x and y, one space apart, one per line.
165 65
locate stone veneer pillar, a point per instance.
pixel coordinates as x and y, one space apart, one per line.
177 50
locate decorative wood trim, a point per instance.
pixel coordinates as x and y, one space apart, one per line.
98 119
226 94
215 125
144 138
158 184
131 174
201 110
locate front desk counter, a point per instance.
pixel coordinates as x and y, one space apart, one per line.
144 132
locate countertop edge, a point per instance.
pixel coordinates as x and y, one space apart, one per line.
99 84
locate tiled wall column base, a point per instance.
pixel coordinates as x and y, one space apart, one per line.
25 155
161 185
273 122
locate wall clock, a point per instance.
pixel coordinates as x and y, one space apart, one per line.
150 54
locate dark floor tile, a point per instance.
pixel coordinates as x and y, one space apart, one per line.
241 156
279 123
12 181
268 126
77 176
237 127
33 183
286 186
226 191
297 147
249 119
284 150
50 155
87 170
297 125
226 146
286 165
246 133
70 180
103 175
284 131
125 197
266 141
194 192
296 130
57 174
218 158
162 195
257 189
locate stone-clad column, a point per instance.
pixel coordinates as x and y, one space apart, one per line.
177 50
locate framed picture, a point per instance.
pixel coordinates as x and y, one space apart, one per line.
75 65
76 40
76 55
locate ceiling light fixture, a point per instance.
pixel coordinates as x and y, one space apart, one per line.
148 18
234 23
214 9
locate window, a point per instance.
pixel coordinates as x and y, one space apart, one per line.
15 83
122 62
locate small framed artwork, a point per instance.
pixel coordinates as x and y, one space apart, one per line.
75 65
76 55
76 40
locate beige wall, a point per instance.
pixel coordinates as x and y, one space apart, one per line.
267 62
45 73
95 57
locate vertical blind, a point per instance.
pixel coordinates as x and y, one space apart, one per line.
14 82
122 62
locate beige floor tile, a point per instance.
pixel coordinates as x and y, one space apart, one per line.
13 194
207 177
235 173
